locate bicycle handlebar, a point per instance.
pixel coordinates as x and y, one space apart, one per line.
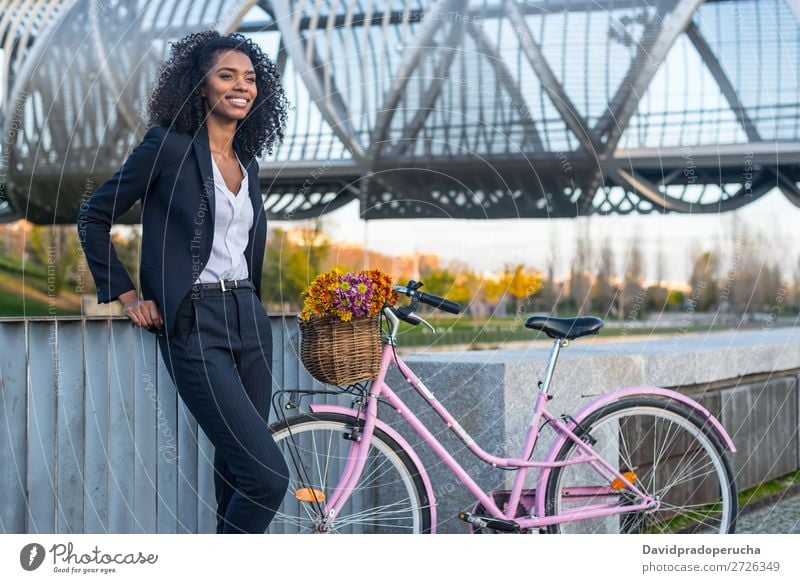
440 303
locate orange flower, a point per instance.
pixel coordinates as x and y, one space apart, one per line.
344 295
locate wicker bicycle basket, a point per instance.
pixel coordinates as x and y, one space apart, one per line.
341 353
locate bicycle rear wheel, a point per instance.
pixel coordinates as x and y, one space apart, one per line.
670 452
390 496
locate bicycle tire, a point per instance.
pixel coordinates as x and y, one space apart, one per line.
402 477
718 488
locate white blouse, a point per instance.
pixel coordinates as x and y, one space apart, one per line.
233 217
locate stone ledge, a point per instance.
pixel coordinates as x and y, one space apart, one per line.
670 362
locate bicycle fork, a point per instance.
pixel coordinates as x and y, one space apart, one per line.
356 460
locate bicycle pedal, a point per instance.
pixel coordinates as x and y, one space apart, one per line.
489 522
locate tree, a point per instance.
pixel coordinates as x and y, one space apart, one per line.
493 292
438 280
795 297
703 281
580 282
455 282
292 260
770 291
549 295
521 283
465 288
744 272
128 248
55 249
493 289
656 298
633 294
603 291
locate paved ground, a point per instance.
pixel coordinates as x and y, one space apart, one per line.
783 518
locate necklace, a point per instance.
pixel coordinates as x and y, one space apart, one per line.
231 159
222 155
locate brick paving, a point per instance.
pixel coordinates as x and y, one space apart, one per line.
780 518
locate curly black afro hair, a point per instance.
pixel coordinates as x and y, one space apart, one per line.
176 102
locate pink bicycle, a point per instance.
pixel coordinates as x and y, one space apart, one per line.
637 460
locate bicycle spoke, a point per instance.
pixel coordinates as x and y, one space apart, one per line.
673 460
693 517
683 478
383 517
372 477
384 513
316 462
280 516
382 526
384 498
627 460
324 485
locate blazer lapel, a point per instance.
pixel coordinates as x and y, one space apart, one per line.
254 187
202 153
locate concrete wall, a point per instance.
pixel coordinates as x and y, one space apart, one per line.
93 437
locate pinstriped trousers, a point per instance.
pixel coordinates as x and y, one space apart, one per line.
220 358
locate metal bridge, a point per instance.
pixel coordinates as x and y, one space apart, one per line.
448 108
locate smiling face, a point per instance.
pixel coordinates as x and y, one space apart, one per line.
230 87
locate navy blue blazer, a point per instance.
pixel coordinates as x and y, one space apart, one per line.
172 175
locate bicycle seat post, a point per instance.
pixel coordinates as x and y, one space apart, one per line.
558 344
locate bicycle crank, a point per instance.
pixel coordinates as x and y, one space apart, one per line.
489 522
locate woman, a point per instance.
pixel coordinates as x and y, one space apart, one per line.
217 104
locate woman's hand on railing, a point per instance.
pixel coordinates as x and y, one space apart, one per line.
143 313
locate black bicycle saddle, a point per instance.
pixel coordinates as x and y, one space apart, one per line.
567 328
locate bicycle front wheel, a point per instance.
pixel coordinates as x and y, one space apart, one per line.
668 452
389 497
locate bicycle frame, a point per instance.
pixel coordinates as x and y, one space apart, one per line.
564 431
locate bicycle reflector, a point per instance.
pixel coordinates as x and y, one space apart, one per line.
618 484
309 495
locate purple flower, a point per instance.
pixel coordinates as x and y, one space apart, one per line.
353 294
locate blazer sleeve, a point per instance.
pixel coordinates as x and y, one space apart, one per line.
113 198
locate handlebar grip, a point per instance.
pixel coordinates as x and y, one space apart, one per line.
440 303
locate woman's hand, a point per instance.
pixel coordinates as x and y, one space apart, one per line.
141 312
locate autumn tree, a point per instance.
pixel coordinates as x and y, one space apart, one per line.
465 288
438 280
521 283
292 260
55 249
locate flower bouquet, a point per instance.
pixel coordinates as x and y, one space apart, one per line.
340 325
